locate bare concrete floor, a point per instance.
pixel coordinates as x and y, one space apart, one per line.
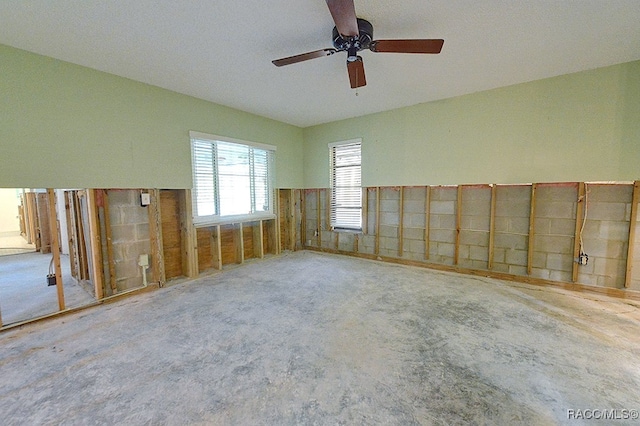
308 338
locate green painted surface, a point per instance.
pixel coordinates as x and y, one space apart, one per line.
577 127
64 126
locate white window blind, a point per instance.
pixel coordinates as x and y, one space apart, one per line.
346 185
231 180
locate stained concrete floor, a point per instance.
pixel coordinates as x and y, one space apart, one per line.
24 293
309 338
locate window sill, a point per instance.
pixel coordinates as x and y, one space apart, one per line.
229 220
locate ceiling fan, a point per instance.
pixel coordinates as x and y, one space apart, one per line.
352 34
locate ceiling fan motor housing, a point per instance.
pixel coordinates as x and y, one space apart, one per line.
365 36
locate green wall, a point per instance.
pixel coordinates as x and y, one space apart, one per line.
66 126
577 127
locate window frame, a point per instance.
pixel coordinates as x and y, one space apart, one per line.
332 187
216 218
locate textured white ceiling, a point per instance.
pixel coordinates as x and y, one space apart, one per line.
221 51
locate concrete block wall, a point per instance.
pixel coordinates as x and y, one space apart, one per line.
511 239
414 219
554 222
605 235
389 221
475 219
129 235
442 224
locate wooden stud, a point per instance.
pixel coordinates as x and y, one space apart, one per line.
580 206
377 242
55 246
492 224
107 229
303 219
633 223
96 245
238 242
292 220
70 234
155 234
258 249
401 223
365 211
188 234
318 218
458 225
532 220
427 221
216 247
276 241
327 209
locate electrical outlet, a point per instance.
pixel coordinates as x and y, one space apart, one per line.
583 259
145 199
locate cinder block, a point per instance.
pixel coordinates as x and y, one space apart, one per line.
128 283
411 206
479 264
519 225
442 235
559 262
562 227
415 193
443 207
415 220
560 276
465 263
444 193
127 269
607 211
123 233
618 193
500 267
539 260
616 231
612 282
388 231
553 244
516 257
480 223
134 214
470 193
605 249
499 255
463 252
540 273
479 253
446 250
502 224
389 244
476 208
568 192
516 208
588 279
513 193
518 270
389 218
511 241
416 246
390 206
474 238
555 209
413 234
345 241
120 197
142 231
390 193
447 222
609 267
542 226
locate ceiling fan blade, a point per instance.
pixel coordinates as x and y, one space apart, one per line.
356 73
407 46
344 15
303 57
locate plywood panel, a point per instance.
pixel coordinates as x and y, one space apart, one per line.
229 253
247 236
171 234
205 257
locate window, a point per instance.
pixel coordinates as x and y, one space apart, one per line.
346 191
232 180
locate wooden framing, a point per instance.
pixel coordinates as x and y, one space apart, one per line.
401 223
365 211
303 219
532 222
155 235
633 223
427 221
216 248
96 246
55 246
580 206
107 229
292 220
318 218
456 255
327 209
377 241
276 196
492 224
258 240
188 234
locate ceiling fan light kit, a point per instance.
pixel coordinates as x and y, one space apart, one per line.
352 34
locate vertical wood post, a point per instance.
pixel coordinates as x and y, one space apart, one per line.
303 219
238 242
189 239
427 221
277 221
292 220
492 224
318 218
377 241
107 232
216 247
365 211
55 246
458 224
401 223
96 246
580 206
633 222
532 222
258 239
155 234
